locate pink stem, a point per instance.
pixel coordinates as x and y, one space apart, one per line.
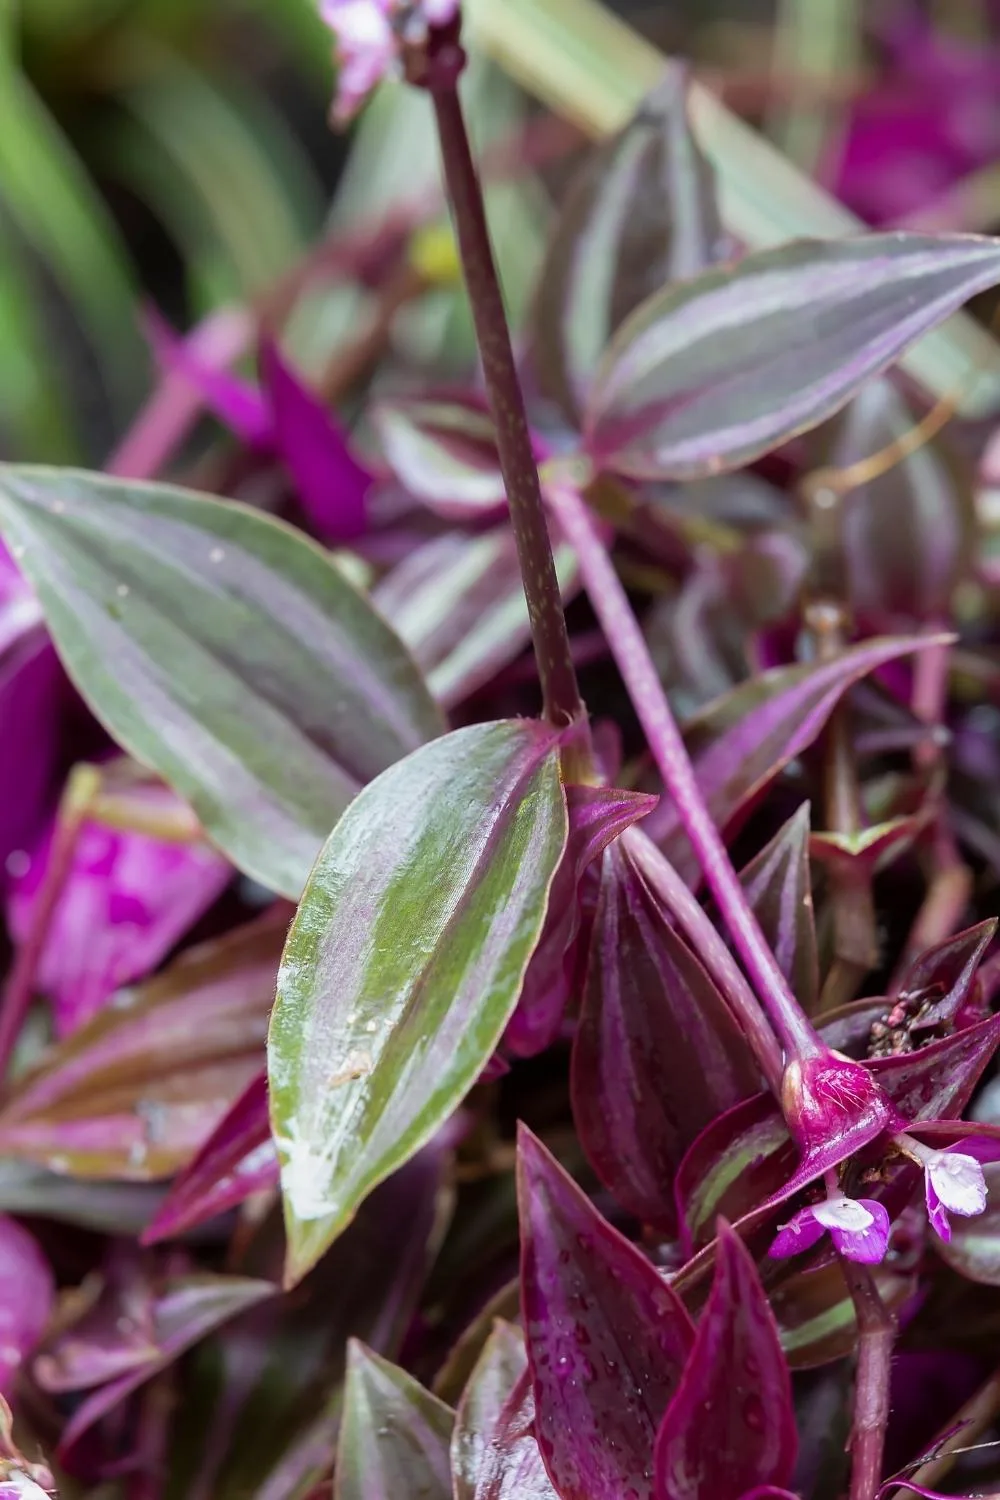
629 649
174 406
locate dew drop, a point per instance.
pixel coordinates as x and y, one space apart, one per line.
753 1413
122 591
217 554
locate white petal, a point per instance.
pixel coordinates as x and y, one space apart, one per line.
958 1181
843 1213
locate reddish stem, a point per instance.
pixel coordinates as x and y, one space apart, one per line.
561 694
876 1337
629 649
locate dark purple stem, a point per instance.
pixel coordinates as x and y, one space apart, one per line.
876 1337
629 649
560 692
80 791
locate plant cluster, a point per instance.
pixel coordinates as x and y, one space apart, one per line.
576 1077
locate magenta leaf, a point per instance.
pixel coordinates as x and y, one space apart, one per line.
236 403
938 984
110 1333
497 1373
511 1466
607 1337
330 482
936 1082
236 1161
778 886
641 212
444 453
657 1055
136 1091
27 1295
742 741
185 1311
731 1423
394 1435
128 900
710 374
597 817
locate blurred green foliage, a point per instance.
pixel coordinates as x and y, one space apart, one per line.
165 149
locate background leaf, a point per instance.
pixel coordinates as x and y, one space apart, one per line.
394 1436
224 650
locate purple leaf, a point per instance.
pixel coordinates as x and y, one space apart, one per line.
657 1054
27 1295
607 1337
138 1089
497 1373
708 375
405 962
186 1311
815 1312
936 1082
128 900
237 403
939 982
908 534
640 212
745 738
236 1161
731 1424
331 484
458 603
394 1435
512 1467
444 453
597 817
778 886
110 1335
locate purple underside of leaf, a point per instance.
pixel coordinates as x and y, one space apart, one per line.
778 887
236 1161
607 1338
731 1423
712 373
597 816
127 901
331 484
237 403
757 728
657 1055
184 1314
942 977
27 1295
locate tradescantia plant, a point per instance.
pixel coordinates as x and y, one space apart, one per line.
622 1066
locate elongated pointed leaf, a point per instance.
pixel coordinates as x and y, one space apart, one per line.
779 888
936 1082
938 984
134 1093
709 375
657 1054
607 1338
224 650
640 213
237 1160
405 962
394 1435
741 1159
188 1309
742 741
512 1467
597 816
731 1424
498 1372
